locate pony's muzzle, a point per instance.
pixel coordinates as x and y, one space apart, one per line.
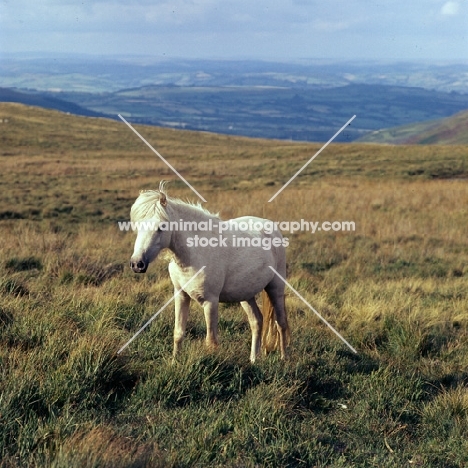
138 267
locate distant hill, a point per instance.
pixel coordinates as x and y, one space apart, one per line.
275 112
447 131
262 111
47 102
95 75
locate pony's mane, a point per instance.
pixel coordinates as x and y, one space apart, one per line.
147 205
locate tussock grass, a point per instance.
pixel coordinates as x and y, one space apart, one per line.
396 288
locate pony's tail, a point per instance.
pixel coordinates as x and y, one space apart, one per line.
270 332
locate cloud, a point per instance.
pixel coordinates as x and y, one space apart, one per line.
331 26
450 8
283 28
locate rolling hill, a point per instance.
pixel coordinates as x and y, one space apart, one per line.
448 131
89 74
47 102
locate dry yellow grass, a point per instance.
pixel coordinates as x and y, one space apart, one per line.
396 288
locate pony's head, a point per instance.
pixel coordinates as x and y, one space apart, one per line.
147 213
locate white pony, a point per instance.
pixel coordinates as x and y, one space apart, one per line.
231 273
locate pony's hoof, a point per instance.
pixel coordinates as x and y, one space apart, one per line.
211 346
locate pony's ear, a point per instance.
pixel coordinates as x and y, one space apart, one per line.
163 199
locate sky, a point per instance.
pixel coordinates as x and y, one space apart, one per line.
239 29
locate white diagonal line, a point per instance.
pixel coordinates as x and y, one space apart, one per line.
160 310
162 159
312 158
315 312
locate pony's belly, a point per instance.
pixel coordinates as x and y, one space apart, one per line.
243 294
246 278
237 298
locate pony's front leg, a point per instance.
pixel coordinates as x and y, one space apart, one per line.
210 309
182 305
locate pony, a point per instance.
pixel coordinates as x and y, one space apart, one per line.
232 273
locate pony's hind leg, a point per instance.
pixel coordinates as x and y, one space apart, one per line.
182 305
275 291
255 320
210 309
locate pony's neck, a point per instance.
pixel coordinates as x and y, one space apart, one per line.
184 255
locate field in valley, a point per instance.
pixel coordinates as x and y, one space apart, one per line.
287 113
396 288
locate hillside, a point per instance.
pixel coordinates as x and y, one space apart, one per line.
448 131
396 288
45 101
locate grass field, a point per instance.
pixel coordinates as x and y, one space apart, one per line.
396 288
